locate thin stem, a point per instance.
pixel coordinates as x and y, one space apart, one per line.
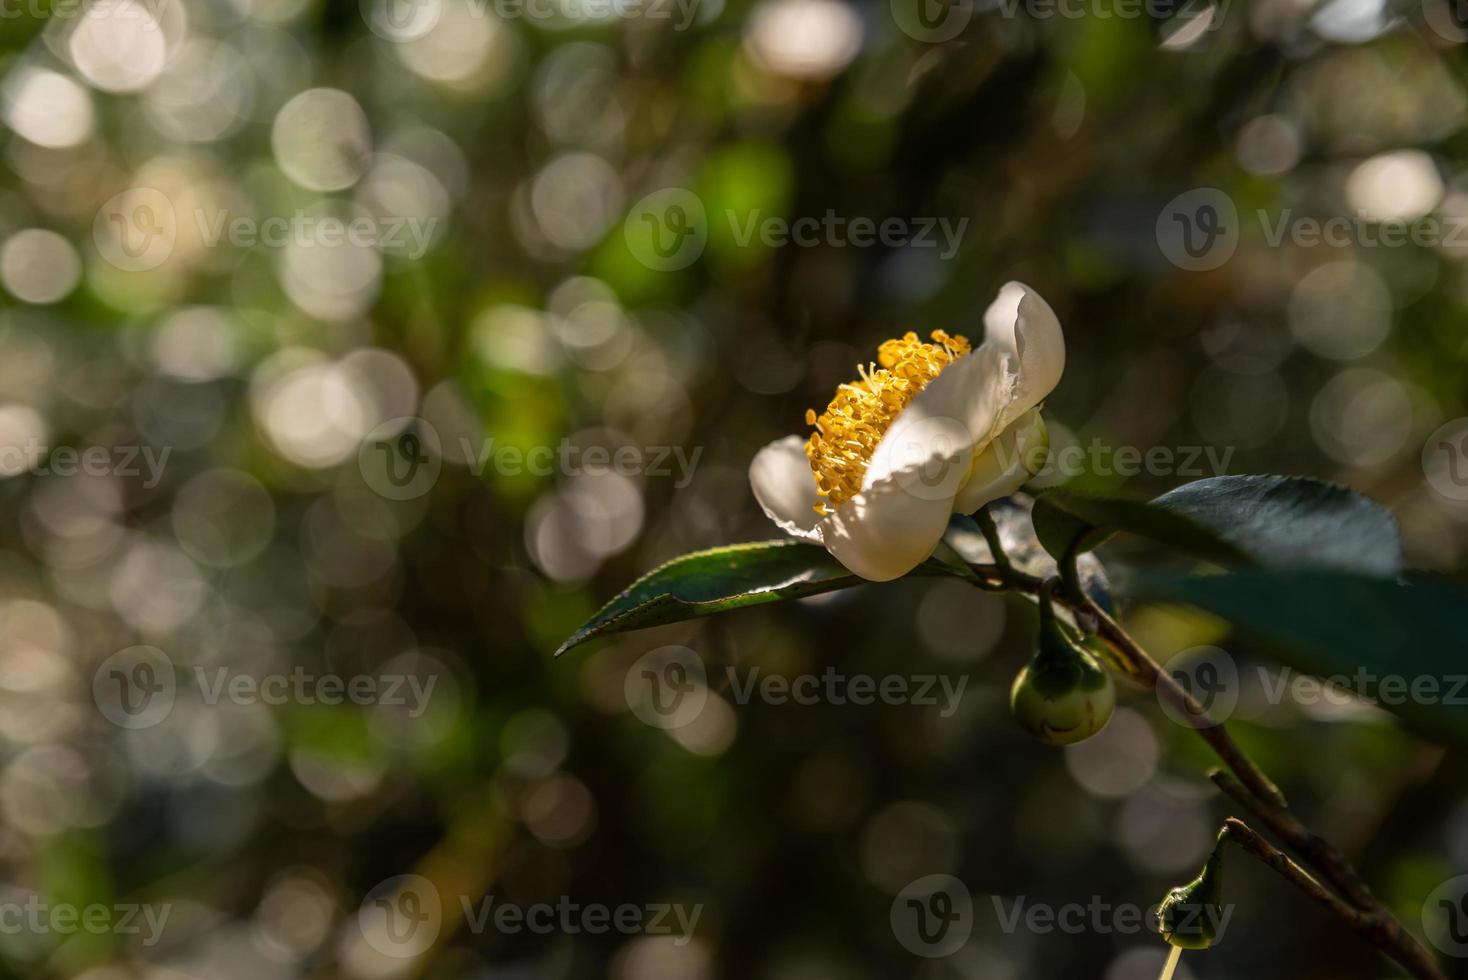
1151 674
1321 854
1009 579
1170 966
1252 788
1242 834
1376 925
990 530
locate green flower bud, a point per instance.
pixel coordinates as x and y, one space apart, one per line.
1188 917
1064 694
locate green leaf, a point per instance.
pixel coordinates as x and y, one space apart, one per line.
1272 521
732 577
1353 627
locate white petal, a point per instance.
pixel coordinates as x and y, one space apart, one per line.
885 532
785 487
1006 463
935 434
1021 322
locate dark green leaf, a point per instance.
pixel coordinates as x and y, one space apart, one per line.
707 582
1353 627
1064 519
1272 521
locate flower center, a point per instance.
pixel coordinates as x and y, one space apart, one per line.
848 431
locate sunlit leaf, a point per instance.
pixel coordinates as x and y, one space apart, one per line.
1271 521
720 579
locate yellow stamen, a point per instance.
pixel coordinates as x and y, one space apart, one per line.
848 431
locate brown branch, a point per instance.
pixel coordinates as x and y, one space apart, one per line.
1376 926
1257 792
1150 674
1252 789
1319 852
1242 834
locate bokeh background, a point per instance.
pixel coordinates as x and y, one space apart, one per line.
510 295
